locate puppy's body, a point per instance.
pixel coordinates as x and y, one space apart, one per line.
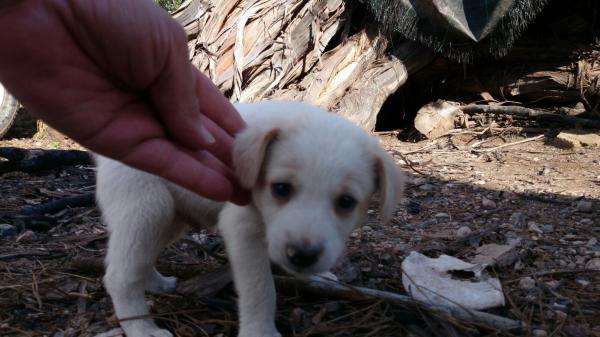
312 175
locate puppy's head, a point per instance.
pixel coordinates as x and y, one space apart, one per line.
312 175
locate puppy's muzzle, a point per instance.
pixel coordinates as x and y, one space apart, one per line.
304 256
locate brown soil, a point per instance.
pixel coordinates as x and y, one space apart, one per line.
50 278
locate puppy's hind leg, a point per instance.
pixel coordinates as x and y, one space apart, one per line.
139 232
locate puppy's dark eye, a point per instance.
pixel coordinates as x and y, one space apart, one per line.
282 190
345 203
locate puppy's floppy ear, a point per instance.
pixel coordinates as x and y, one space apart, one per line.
249 152
390 182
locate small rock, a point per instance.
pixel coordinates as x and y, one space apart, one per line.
495 254
547 228
436 118
561 305
367 228
426 187
26 236
442 216
574 330
418 180
580 260
298 315
400 249
583 283
386 259
552 284
463 232
425 224
593 264
539 333
487 203
7 230
584 206
519 266
592 242
572 139
560 315
533 227
413 207
527 283
518 219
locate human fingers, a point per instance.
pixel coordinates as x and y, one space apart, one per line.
216 106
240 195
199 174
173 94
223 146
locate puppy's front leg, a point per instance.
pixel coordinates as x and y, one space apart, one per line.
246 247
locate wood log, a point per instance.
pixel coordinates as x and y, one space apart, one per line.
332 289
261 41
192 15
32 160
533 114
256 50
39 217
327 83
297 50
56 205
365 97
555 83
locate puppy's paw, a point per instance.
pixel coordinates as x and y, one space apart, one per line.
167 284
162 284
269 331
161 333
276 334
151 332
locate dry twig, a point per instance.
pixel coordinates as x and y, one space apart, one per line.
509 144
327 288
531 113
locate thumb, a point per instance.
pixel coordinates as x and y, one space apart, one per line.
173 94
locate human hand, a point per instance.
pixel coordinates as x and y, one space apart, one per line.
114 75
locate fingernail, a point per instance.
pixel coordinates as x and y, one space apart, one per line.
206 135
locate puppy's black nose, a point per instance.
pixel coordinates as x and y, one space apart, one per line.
303 256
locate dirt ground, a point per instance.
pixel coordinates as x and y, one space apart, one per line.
50 275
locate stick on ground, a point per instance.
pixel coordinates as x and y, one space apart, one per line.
33 160
327 288
492 149
531 113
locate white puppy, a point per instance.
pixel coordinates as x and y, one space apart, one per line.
312 175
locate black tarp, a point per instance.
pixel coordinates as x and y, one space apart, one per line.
460 29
